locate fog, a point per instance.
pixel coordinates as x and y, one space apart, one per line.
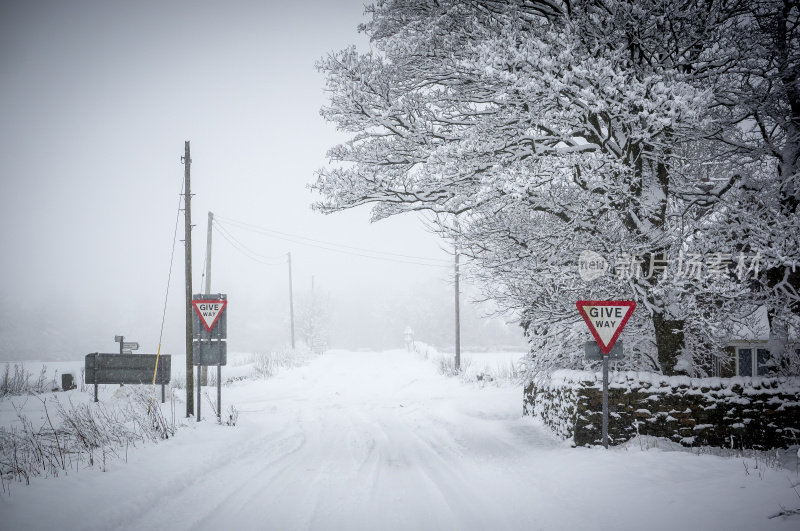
97 101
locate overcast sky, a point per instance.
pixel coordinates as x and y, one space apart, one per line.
97 99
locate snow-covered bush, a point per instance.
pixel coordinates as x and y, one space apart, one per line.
21 382
447 365
424 350
231 416
486 370
267 364
82 434
177 382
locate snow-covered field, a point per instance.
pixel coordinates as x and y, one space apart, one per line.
383 441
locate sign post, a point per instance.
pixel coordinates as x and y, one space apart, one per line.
605 402
126 347
210 330
605 320
592 351
104 368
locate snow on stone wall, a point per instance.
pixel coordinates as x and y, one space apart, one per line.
739 412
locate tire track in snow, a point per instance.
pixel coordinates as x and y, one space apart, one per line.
182 494
355 455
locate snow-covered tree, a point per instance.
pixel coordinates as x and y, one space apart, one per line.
314 314
549 128
758 109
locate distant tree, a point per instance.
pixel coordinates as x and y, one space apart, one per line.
314 313
547 128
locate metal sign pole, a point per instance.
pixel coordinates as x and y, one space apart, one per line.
198 382
605 320
605 401
95 376
209 323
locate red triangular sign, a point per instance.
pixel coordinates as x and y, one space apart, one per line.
209 311
606 319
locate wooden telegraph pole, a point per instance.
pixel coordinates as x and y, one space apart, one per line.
208 253
204 368
187 203
291 300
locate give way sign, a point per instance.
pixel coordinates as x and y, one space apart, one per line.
606 319
209 311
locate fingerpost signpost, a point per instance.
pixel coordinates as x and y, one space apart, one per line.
605 319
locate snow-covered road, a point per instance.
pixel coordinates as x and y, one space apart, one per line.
382 441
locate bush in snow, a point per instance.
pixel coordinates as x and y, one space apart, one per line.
470 371
20 381
80 434
266 364
447 365
231 416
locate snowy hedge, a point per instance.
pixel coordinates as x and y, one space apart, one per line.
738 412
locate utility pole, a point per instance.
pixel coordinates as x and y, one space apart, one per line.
458 317
291 300
208 253
187 210
204 368
312 335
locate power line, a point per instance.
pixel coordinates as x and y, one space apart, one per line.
166 297
264 230
269 232
267 260
339 248
242 248
171 261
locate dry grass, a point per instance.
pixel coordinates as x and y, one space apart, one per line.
79 435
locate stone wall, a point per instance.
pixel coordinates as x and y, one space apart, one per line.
743 412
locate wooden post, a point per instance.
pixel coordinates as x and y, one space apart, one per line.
198 393
95 376
204 368
208 252
187 203
291 300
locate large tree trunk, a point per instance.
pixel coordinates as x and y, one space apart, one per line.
669 342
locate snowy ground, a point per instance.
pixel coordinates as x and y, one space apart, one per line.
383 441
